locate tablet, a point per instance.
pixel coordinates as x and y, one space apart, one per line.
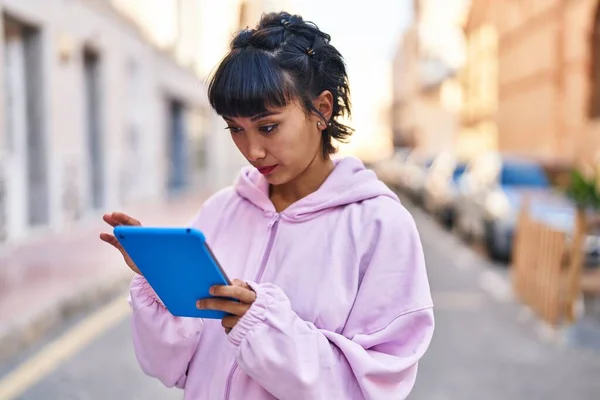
178 265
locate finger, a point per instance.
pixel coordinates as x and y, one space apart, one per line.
109 238
229 321
227 330
242 294
241 283
112 240
110 220
238 282
228 306
125 219
106 237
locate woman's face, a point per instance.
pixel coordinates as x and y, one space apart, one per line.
281 143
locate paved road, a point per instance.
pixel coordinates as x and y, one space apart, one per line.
485 346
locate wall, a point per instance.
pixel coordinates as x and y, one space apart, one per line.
66 28
544 79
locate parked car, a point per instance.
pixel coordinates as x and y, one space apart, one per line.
441 188
492 193
473 187
413 174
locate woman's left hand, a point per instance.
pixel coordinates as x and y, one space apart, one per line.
237 290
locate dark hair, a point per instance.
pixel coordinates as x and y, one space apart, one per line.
283 59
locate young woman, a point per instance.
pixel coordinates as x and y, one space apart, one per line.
334 295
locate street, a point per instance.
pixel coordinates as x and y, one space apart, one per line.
486 346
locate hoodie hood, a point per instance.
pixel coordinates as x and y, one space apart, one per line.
349 182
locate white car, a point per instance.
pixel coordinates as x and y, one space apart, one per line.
441 188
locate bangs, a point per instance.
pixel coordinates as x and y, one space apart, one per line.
248 83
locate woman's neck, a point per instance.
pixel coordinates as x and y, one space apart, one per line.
304 184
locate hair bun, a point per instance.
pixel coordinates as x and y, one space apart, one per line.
242 39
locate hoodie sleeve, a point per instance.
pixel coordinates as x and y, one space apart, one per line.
375 356
164 344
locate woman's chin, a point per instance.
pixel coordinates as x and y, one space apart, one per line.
277 178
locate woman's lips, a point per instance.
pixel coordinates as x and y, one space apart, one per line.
267 170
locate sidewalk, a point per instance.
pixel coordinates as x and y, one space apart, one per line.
44 282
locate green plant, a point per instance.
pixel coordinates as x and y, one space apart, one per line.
584 187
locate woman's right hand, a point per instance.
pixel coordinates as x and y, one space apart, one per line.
114 219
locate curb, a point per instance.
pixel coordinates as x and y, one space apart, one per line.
23 333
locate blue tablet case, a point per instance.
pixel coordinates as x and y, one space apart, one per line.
177 263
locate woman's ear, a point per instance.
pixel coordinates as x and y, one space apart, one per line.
324 103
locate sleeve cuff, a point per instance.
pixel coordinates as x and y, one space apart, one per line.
253 317
141 288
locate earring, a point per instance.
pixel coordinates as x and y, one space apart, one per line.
319 124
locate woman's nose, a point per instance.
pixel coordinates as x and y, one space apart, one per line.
256 150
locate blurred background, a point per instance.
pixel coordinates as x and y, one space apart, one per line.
483 115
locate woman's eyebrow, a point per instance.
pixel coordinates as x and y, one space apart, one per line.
255 117
263 115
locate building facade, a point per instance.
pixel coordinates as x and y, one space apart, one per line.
94 115
427 95
479 78
541 62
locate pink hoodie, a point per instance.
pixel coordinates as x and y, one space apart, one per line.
343 307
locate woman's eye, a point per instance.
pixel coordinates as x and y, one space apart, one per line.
234 129
268 129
